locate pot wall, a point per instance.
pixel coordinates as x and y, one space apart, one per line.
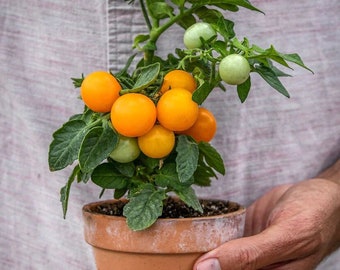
169 244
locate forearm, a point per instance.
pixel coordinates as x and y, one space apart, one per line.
332 173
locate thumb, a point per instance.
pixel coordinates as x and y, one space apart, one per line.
270 247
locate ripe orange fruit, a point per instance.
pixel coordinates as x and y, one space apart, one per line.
176 110
178 79
99 90
133 114
204 128
157 143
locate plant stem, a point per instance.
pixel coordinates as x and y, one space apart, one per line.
156 31
145 14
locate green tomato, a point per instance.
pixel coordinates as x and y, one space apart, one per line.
196 31
127 150
234 69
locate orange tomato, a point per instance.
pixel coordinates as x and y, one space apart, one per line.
99 90
157 143
204 128
178 79
176 110
133 114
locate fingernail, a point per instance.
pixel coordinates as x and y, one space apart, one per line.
209 264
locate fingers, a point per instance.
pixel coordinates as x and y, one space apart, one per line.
270 247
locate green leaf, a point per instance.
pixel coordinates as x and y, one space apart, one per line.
271 78
139 39
188 196
201 93
243 90
225 28
187 21
97 145
296 59
106 176
83 176
187 158
212 157
78 81
144 208
65 190
208 15
147 76
160 10
241 3
179 3
118 193
229 7
166 175
203 174
66 143
126 169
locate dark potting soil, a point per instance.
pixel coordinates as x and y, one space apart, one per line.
176 208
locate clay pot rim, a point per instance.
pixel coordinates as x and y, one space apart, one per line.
87 208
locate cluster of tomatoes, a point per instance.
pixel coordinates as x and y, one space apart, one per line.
143 125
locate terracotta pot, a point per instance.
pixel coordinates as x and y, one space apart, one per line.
168 244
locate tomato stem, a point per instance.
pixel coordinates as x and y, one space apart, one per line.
145 14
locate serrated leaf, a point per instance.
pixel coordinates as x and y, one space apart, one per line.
166 175
146 76
65 190
241 3
97 145
66 143
203 174
187 158
243 90
107 177
144 208
212 157
271 78
188 196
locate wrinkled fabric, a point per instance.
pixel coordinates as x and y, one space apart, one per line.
267 141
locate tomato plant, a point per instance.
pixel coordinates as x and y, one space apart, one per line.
178 79
127 150
157 143
99 90
176 110
133 114
234 69
193 35
144 131
204 128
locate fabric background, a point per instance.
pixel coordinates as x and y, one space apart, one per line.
266 141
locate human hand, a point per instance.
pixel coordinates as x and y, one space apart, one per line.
291 227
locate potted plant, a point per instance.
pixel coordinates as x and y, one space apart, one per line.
144 133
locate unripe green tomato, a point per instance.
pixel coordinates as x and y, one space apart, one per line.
196 31
234 69
127 150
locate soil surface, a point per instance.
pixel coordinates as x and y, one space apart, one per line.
176 209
